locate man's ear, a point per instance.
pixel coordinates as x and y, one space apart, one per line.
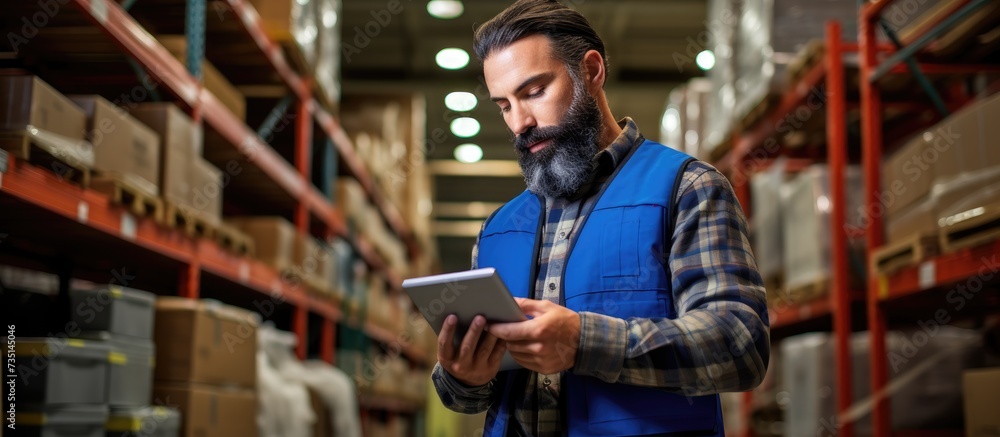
594 73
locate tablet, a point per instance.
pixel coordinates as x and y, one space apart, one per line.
465 294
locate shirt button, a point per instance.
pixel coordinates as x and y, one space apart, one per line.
546 382
562 235
552 286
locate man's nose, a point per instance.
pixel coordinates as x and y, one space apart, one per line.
521 120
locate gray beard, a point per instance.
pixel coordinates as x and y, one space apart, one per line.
565 165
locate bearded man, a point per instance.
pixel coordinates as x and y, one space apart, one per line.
631 259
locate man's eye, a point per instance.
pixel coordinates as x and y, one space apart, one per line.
505 109
537 92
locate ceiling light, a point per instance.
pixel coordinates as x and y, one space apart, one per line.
705 60
468 153
329 18
671 119
460 101
445 9
452 58
465 127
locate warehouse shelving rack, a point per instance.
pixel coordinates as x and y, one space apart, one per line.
744 158
933 276
38 193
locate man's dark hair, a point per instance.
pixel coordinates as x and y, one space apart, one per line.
569 33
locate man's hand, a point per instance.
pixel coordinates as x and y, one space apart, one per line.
547 343
476 362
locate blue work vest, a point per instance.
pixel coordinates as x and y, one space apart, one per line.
616 267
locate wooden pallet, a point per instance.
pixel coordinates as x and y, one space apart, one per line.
805 60
234 240
193 222
125 191
971 228
65 157
808 292
912 251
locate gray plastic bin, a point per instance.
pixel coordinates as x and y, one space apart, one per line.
115 309
61 371
130 369
143 422
62 421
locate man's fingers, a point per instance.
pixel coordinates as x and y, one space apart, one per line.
512 331
446 346
486 346
498 350
525 347
468 347
533 307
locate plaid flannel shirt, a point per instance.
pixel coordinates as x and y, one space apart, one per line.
718 343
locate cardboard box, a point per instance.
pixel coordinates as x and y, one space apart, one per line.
211 411
989 113
960 139
27 100
273 237
906 175
206 189
205 342
181 142
215 82
919 218
981 388
308 255
122 144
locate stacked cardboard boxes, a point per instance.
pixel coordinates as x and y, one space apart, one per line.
124 148
932 182
37 113
278 244
187 181
206 365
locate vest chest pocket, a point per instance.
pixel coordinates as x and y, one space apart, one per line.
620 253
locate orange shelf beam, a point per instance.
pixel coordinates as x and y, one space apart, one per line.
978 262
791 315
